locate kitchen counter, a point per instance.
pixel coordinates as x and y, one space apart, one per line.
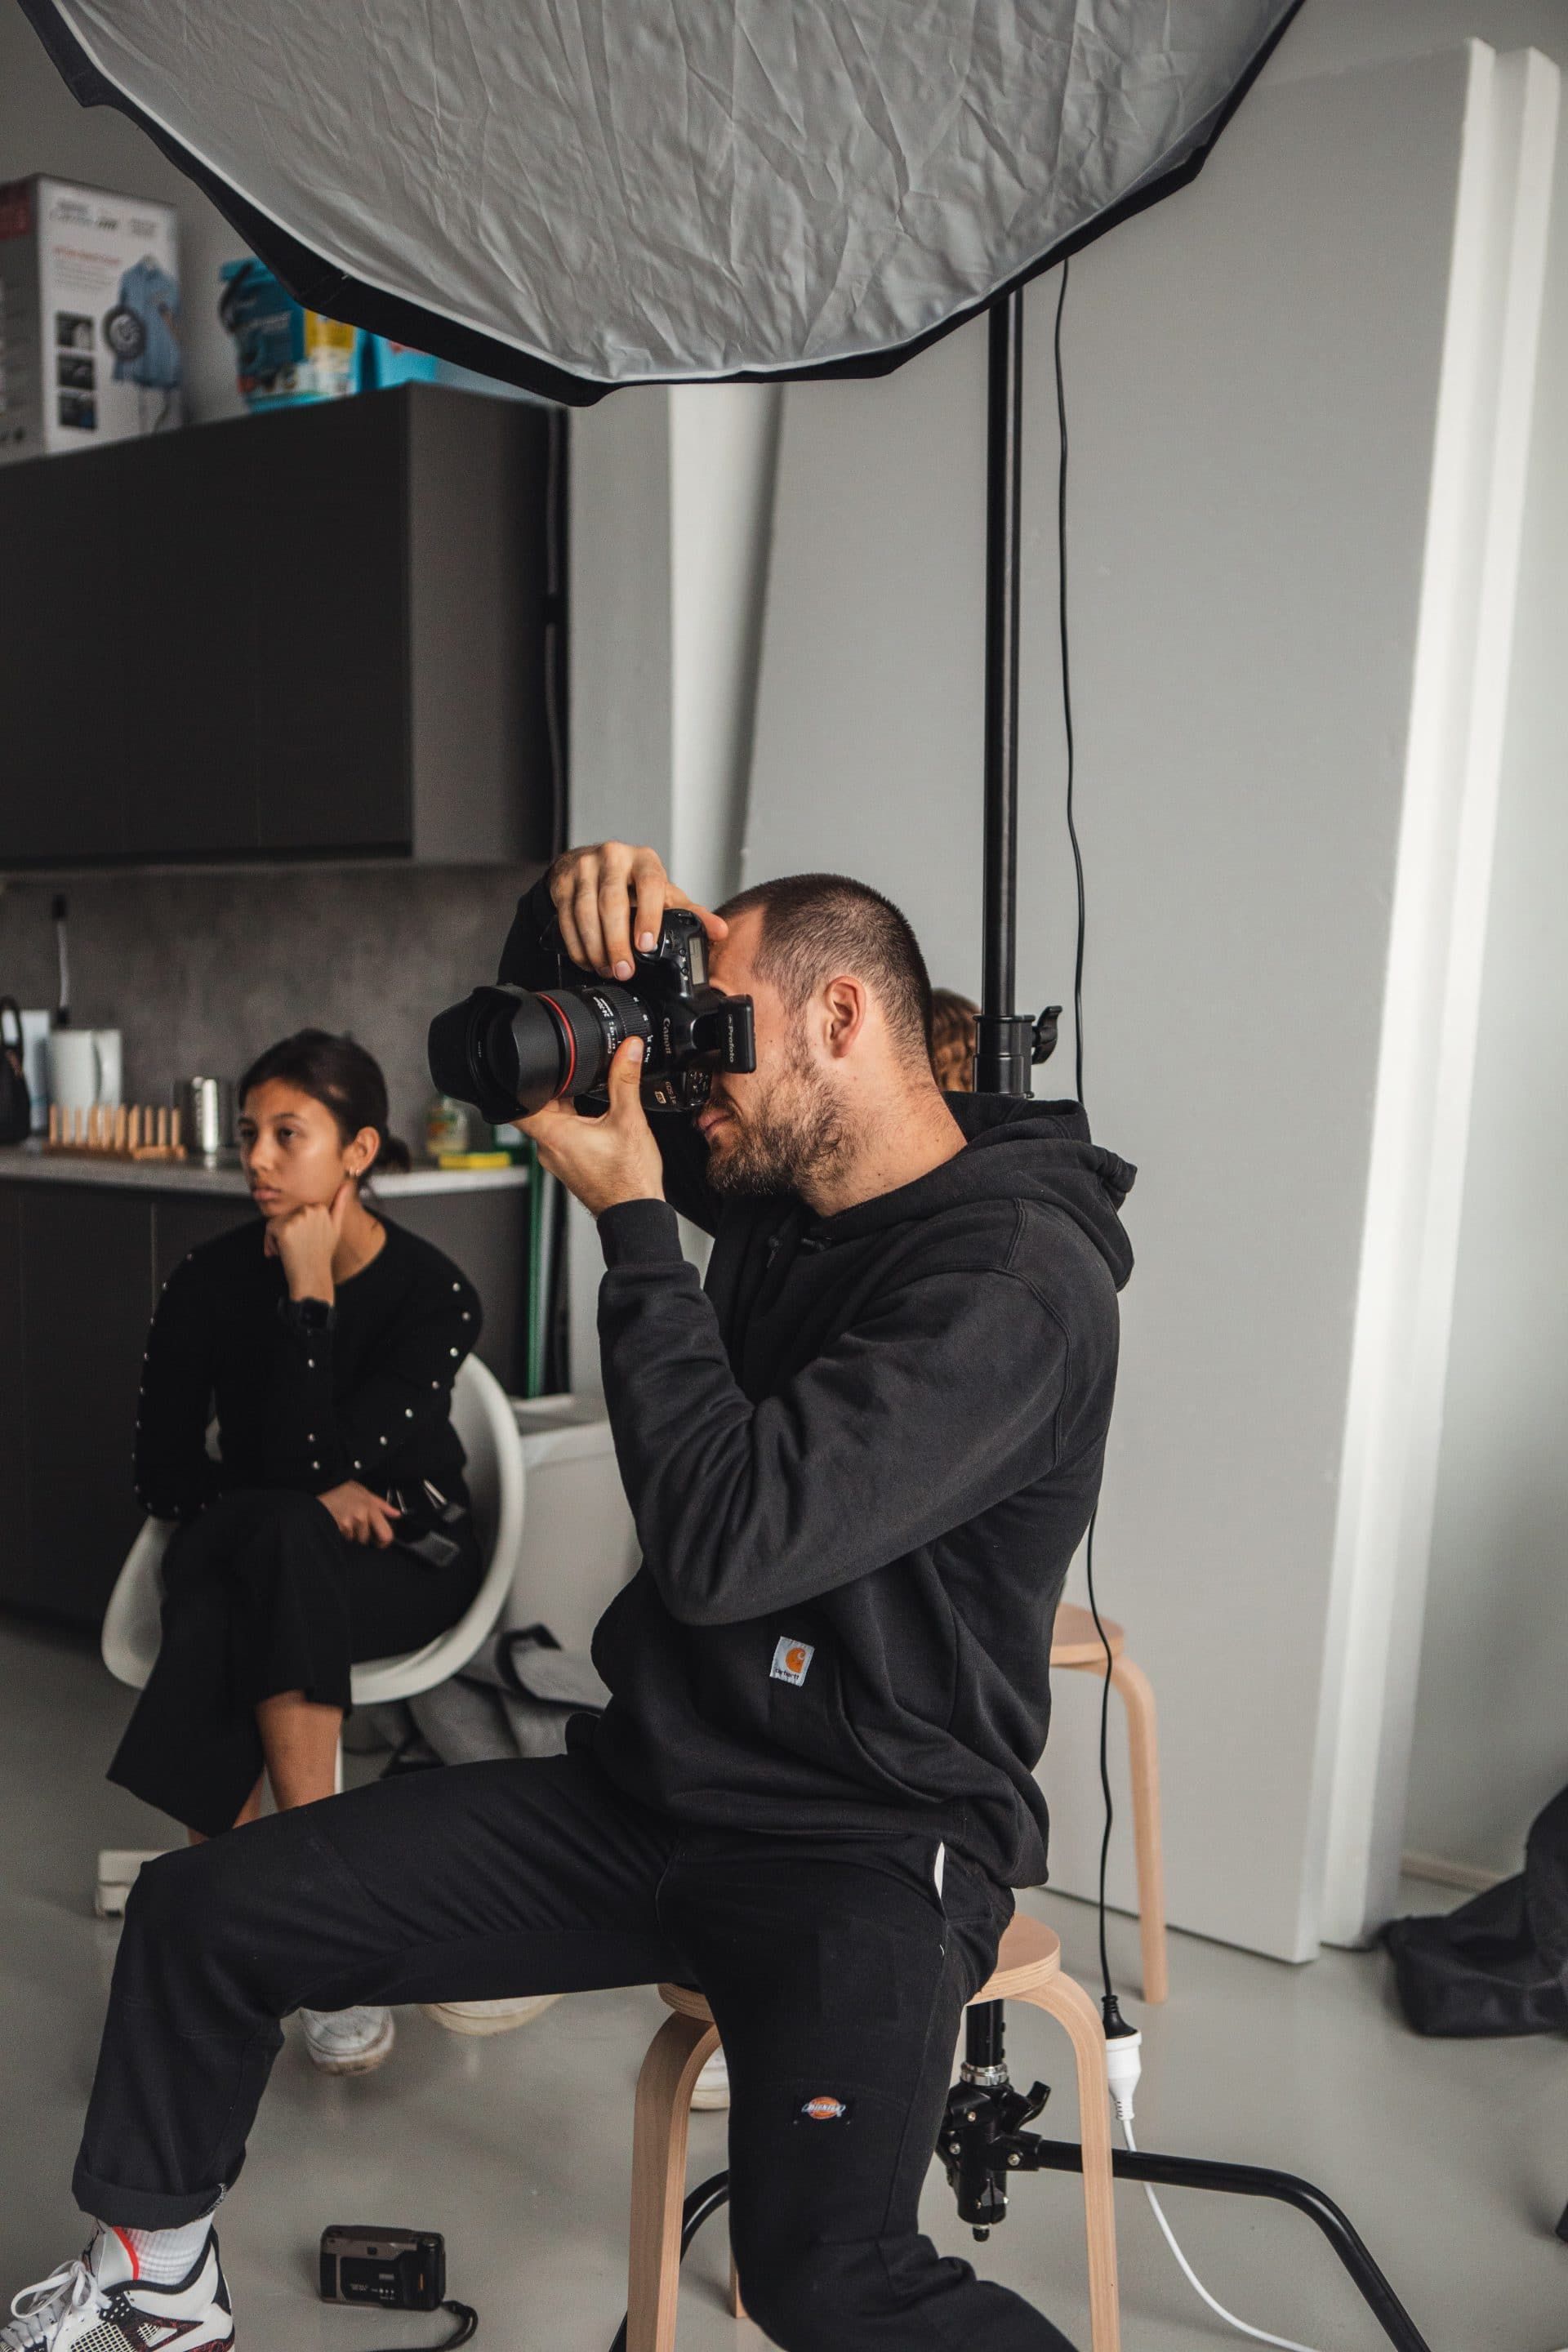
32 1164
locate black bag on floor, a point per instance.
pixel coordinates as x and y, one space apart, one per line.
1499 1964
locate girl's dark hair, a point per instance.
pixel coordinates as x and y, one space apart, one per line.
336 1072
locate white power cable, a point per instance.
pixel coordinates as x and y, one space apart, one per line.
1123 2066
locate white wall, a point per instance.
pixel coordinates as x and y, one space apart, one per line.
671 512
1490 1734
1491 1729
1491 1742
723 455
1253 372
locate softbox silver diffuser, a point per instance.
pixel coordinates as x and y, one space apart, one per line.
575 195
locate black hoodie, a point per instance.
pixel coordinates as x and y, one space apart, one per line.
860 1459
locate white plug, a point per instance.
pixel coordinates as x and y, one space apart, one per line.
1123 2066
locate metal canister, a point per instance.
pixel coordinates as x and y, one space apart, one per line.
207 1115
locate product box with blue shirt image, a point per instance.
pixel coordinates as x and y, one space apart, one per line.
89 318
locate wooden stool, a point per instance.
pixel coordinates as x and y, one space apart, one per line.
1029 1968
1075 1644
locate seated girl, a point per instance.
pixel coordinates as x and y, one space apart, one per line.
333 1526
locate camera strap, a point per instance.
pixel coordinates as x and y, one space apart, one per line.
468 2320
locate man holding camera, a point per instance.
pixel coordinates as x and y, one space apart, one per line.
859 1458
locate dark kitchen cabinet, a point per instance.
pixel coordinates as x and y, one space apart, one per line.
14 1540
325 631
81 1265
86 1293
66 655
188 776
335 736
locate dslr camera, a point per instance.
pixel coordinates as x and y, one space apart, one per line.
509 1050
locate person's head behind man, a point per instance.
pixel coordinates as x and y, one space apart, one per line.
843 1015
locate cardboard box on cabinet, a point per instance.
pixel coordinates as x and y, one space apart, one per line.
89 318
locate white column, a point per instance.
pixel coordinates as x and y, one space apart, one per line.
723 452
1432 1002
671 512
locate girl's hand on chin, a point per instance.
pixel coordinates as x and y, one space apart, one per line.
306 1240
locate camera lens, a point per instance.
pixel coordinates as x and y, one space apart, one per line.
508 1050
557 1048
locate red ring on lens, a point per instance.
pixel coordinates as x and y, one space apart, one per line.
565 1086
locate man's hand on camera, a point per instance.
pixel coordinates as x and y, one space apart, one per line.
603 1161
595 892
359 1516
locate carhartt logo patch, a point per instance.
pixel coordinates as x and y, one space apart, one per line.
791 1660
824 2109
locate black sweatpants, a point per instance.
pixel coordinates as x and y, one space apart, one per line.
835 1970
263 1595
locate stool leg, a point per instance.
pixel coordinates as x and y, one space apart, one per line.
1071 2007
659 2133
1144 1747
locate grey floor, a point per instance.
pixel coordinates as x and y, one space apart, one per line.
1451 2159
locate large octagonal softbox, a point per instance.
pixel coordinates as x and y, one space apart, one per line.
578 194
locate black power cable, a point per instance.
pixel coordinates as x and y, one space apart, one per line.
1113 2014
1066 682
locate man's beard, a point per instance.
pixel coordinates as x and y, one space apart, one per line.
779 1145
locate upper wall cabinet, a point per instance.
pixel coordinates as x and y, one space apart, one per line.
321 632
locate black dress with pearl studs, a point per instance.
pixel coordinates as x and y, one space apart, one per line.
262 1593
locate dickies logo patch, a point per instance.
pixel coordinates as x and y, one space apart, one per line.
824 2109
792 1659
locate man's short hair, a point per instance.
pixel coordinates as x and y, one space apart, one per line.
814 925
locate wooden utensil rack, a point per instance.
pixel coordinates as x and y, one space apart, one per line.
128 1132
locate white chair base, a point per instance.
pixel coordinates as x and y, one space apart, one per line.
116 1871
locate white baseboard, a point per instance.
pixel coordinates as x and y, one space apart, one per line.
1439 1872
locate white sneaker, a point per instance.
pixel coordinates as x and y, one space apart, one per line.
97 2303
712 2088
482 2017
347 2041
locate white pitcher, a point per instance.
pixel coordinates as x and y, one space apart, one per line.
85 1068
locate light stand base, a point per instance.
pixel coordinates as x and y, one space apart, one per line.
1028 2152
983 2148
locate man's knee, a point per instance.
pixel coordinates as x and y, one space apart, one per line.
196 1936
203 1903
171 1902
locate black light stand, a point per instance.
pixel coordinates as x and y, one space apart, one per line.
1005 1038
